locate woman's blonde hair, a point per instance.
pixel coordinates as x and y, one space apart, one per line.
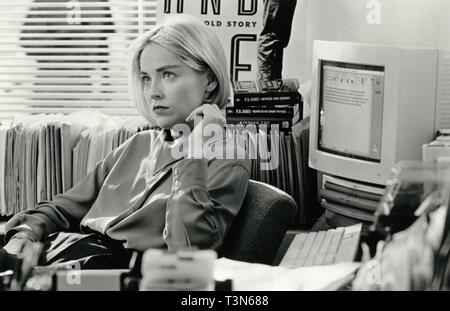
195 44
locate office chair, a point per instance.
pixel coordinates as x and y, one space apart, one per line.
260 225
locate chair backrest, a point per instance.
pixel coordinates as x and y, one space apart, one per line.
260 225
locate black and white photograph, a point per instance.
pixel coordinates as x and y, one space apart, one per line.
224 154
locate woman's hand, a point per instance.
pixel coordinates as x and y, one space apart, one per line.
202 116
209 114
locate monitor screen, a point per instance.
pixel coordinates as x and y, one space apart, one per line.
351 110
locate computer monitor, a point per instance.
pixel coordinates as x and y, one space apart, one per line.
371 106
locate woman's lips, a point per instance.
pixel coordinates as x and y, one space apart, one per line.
159 109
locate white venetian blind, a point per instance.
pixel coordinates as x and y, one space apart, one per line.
63 56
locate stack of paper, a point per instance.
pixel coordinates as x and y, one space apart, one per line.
43 155
259 277
3 133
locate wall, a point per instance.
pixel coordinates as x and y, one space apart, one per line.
405 23
294 55
408 23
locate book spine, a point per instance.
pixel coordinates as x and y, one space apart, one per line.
264 86
269 99
260 112
283 125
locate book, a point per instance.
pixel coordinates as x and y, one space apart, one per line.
283 125
258 112
266 93
276 87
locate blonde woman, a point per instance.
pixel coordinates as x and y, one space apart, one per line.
156 190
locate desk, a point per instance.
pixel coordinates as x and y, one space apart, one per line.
244 276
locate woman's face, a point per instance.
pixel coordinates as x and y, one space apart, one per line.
171 88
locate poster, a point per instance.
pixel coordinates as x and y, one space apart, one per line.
236 22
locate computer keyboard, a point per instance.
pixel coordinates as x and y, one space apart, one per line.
323 247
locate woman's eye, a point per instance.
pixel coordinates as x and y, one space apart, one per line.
146 79
168 75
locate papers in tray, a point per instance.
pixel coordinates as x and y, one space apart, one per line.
260 277
43 155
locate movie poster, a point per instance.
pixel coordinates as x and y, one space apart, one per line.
236 22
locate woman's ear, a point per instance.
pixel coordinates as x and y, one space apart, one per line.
212 81
211 85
